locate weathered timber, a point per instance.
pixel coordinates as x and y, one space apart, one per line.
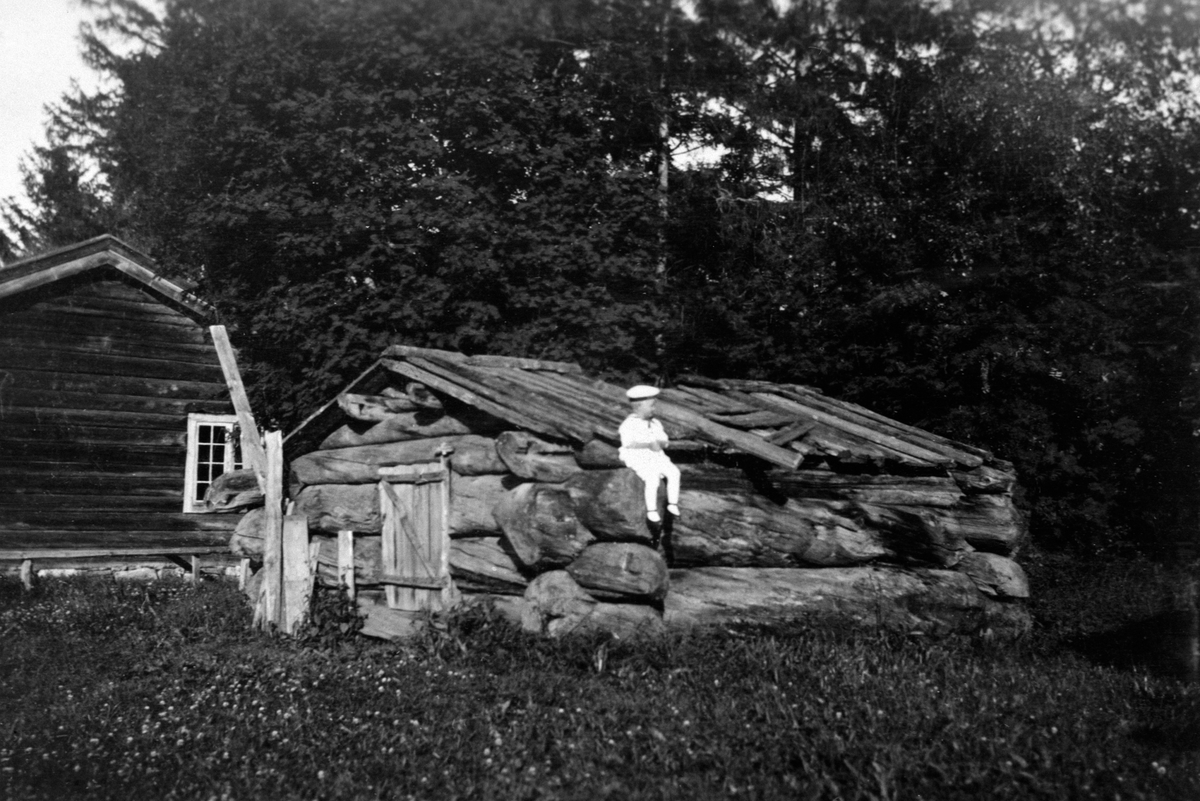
237 489
914 535
621 571
400 427
485 564
41 358
989 523
729 437
540 524
995 575
83 520
908 600
101 435
375 408
611 504
940 491
598 455
629 622
440 380
555 604
950 448
355 507
572 403
473 455
739 530
477 564
985 480
523 390
533 458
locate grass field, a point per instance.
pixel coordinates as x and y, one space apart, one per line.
160 691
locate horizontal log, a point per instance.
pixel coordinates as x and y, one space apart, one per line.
36 380
985 480
97 435
473 455
236 489
540 524
406 426
355 507
63 498
587 618
92 322
19 418
907 600
990 523
33 358
621 571
99 520
940 491
105 540
531 457
131 551
748 530
995 575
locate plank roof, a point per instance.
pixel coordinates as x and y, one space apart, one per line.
101 253
782 424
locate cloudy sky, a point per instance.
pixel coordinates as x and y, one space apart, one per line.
39 55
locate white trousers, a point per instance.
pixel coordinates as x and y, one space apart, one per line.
651 467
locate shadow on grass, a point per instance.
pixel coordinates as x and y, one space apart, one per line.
1164 645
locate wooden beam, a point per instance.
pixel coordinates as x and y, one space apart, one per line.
252 449
41 554
297 578
345 545
273 531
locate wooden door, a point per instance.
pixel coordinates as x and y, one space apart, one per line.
415 504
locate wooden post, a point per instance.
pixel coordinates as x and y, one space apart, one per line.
444 526
27 574
273 531
243 573
194 577
346 562
297 577
252 449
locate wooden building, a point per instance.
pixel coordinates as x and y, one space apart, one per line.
114 411
794 503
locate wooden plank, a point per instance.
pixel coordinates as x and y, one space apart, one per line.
880 439
919 436
570 400
33 358
468 396
756 419
90 323
85 337
389 508
253 455
729 437
100 520
35 500
413 582
792 432
524 390
21 417
523 364
297 577
273 529
42 554
107 347
38 380
101 436
345 557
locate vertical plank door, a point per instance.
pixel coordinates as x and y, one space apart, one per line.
414 500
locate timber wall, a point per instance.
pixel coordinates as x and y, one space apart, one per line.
97 377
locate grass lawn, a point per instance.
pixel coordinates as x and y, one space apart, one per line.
159 691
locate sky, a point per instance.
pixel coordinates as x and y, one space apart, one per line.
39 55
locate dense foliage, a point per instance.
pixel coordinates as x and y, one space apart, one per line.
979 217
129 689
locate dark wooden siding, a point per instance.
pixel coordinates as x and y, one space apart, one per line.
97 377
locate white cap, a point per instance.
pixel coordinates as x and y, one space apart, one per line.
641 392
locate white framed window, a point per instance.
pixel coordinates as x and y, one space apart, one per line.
212 449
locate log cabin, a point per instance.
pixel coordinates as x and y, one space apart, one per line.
795 504
115 415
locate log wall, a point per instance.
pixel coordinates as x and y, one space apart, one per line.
97 377
555 532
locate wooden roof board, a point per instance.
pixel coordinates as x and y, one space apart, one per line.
785 421
102 252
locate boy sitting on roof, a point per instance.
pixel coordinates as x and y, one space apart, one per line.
642 442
